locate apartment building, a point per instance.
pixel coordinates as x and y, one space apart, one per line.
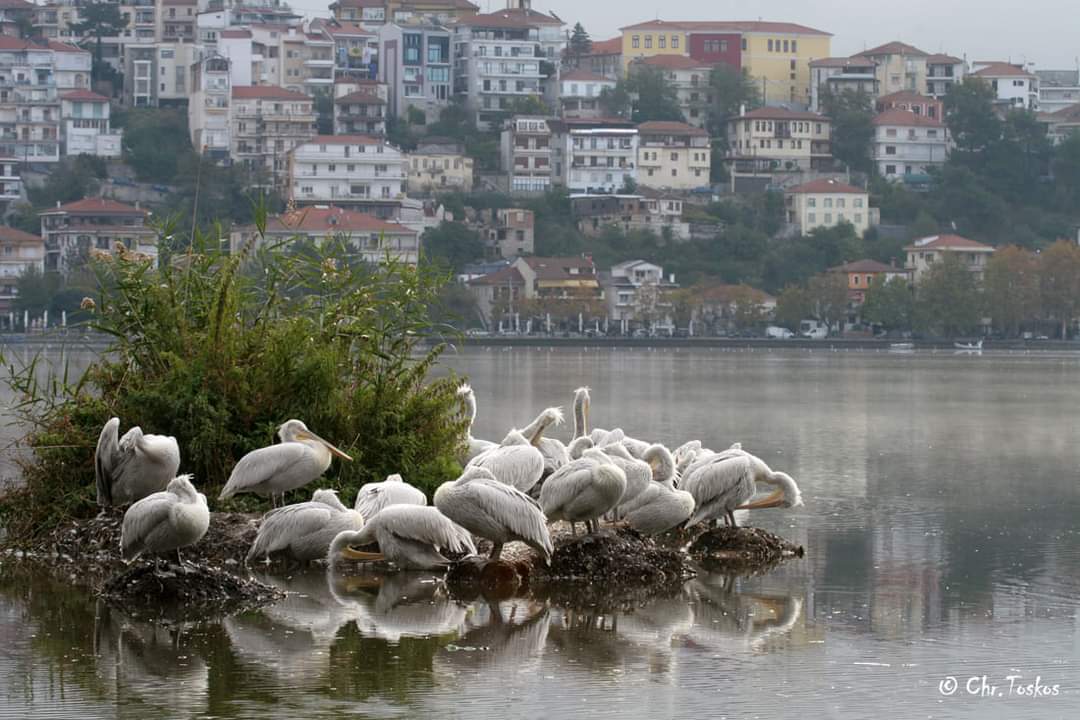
776 54
176 21
266 122
357 172
73 231
378 12
899 66
368 238
579 93
356 49
527 152
827 203
653 212
604 58
156 73
838 75
673 155
360 113
13 14
908 145
439 165
20 252
506 232
1013 86
925 105
208 108
11 185
504 58
1058 89
417 67
598 156
86 129
690 78
777 139
635 292
942 72
924 252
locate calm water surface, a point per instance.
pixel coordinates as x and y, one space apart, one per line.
941 527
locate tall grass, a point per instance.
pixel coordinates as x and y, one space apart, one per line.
218 349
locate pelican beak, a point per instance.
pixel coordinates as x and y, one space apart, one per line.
333 450
350 554
775 499
535 442
361 583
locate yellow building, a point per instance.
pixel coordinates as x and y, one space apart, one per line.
776 54
673 155
826 203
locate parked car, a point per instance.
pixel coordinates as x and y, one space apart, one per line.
778 333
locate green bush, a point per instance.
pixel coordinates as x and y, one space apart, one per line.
218 350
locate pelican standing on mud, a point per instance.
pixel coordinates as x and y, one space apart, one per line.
660 506
304 531
134 466
299 458
727 481
165 521
583 490
493 510
409 536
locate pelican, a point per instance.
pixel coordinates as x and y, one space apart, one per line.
474 446
515 462
554 452
303 531
662 506
726 483
638 472
299 458
501 513
409 536
579 445
583 490
165 521
581 412
685 454
373 497
635 447
134 466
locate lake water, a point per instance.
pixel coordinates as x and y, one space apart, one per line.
942 529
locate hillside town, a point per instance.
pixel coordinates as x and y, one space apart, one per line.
701 177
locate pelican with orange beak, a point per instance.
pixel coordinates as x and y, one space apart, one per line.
728 482
299 458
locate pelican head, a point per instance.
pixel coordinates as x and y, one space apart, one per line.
340 547
786 495
328 497
534 432
661 462
581 412
182 487
475 473
297 431
468 398
618 450
579 446
514 437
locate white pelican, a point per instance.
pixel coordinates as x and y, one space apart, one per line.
165 521
474 446
583 490
409 536
514 462
501 513
299 458
554 452
662 507
579 445
581 412
636 447
685 454
303 531
373 497
638 472
728 481
134 466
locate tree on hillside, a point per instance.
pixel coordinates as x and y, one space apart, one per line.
947 299
792 306
827 296
453 244
730 90
579 44
1059 283
1011 287
852 116
99 20
653 96
889 303
616 101
969 115
1066 170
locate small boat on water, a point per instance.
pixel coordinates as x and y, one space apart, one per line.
968 346
901 347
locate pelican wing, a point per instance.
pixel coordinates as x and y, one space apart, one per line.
142 519
518 465
507 506
564 485
260 465
107 449
374 497
719 486
285 526
412 523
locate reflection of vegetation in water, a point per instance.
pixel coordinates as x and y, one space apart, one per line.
363 667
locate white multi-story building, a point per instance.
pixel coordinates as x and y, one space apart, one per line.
924 252
20 252
635 292
837 75
360 113
774 139
267 122
907 145
415 63
598 157
354 171
11 185
527 150
579 93
942 72
75 230
86 129
504 58
1014 87
208 108
1058 89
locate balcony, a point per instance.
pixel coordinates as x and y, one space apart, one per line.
319 81
319 62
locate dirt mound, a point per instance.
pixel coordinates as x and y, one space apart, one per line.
742 549
179 592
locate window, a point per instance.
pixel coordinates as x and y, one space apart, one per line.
648 42
662 41
794 47
858 218
931 133
811 218
890 132
744 44
770 45
828 218
840 202
674 157
890 149
674 42
890 169
785 46
828 202
811 202
793 66
635 42
857 202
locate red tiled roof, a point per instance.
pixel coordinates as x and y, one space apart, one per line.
607 47
18 237
1001 69
7 42
894 48
842 62
906 118
95 206
84 96
514 18
669 127
266 92
233 34
508 275
331 219
556 268
66 47
1065 114
781 113
825 186
674 62
360 97
865 266
937 242
939 59
584 76
746 26
344 27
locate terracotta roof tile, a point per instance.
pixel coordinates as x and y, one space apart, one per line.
939 59
906 118
84 96
747 26
894 48
94 206
1001 69
508 275
670 127
781 113
607 47
360 97
331 219
937 242
865 266
18 237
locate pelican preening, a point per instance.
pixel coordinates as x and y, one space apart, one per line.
514 462
727 482
304 531
134 466
661 507
409 536
299 458
373 497
551 449
583 490
165 521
